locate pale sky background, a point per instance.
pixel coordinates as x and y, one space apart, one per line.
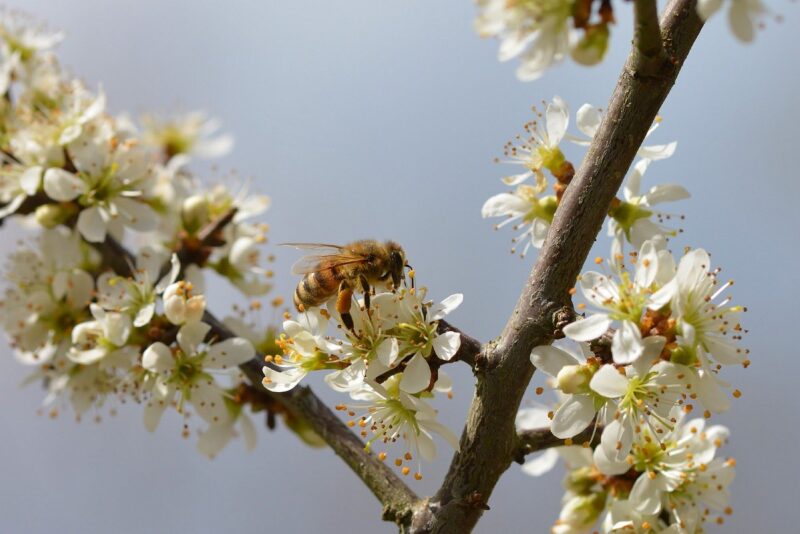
380 118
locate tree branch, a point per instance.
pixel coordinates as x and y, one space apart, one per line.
647 49
489 442
539 439
395 496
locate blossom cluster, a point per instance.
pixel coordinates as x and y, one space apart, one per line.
388 365
674 482
99 323
542 33
633 219
655 334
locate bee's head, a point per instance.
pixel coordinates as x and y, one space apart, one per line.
397 262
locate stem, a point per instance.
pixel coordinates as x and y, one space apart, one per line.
647 49
489 442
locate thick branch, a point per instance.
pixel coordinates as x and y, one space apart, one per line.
489 442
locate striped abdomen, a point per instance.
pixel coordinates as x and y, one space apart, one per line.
315 288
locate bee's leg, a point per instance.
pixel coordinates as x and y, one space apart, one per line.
365 289
343 301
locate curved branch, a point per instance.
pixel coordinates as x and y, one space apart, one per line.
489 442
395 496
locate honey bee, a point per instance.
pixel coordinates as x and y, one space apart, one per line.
341 270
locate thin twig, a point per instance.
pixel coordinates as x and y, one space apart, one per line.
539 439
395 496
647 48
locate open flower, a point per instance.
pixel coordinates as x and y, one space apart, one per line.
631 219
105 337
539 148
136 295
588 120
530 212
390 414
192 134
537 30
624 303
110 184
183 371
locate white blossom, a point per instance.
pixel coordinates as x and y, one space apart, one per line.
588 120
537 30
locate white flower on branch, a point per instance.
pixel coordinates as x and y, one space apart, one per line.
111 185
49 292
105 337
136 295
390 414
192 134
588 120
624 303
182 371
538 30
631 219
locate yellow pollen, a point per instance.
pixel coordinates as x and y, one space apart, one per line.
737 393
598 260
568 442
398 462
381 456
418 476
406 470
351 424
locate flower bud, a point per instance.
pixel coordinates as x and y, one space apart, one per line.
574 379
180 306
195 213
581 512
592 47
51 215
580 481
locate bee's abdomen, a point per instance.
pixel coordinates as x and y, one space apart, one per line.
315 288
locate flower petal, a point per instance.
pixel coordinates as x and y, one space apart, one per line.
609 382
416 376
589 328
573 416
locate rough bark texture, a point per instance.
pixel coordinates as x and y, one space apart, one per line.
489 442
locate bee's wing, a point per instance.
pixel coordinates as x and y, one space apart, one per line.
314 246
310 264
334 256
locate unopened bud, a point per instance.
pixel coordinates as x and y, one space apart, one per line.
592 47
195 213
51 215
573 379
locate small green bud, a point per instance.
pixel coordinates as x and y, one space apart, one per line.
592 47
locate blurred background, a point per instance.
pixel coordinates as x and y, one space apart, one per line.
381 119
